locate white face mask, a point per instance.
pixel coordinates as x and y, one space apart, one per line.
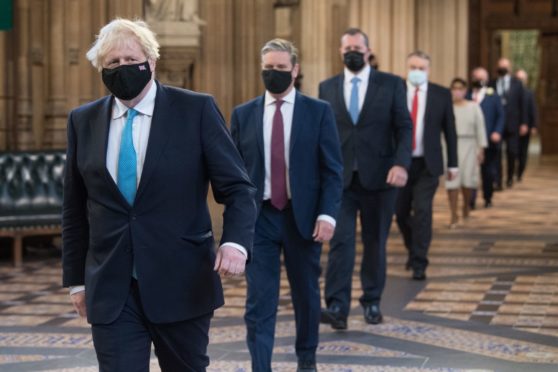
417 77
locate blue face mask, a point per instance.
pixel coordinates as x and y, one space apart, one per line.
417 77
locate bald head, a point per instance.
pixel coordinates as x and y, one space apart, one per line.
522 75
479 74
504 63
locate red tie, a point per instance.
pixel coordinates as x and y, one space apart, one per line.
414 113
278 167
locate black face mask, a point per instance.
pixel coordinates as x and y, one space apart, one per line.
276 81
127 81
477 84
502 71
354 60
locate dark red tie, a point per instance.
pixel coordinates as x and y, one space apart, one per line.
278 167
414 113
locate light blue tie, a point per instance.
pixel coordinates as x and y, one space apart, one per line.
353 103
127 163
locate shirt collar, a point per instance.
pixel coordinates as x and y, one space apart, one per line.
289 98
363 74
144 107
422 88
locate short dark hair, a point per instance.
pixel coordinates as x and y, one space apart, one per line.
356 31
458 80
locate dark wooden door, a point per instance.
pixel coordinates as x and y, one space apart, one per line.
547 93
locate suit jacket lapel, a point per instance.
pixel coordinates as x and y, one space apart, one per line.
371 92
298 119
158 136
428 108
257 118
341 98
101 127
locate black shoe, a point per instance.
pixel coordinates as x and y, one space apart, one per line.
372 314
498 187
334 318
509 184
306 366
419 274
488 204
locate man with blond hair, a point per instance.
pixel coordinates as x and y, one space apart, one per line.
138 250
290 145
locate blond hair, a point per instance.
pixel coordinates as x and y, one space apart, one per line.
120 31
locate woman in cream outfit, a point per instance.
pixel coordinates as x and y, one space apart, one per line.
471 142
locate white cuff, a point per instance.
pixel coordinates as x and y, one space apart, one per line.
77 289
453 170
326 218
236 246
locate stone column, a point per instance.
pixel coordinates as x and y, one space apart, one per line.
314 48
23 111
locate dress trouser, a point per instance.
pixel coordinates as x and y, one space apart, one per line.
125 344
414 212
276 231
376 213
488 170
523 154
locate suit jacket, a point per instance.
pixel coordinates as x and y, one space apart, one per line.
382 136
515 105
493 111
531 108
439 119
315 165
167 232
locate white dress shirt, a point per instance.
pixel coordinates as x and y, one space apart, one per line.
364 76
479 94
419 129
141 126
287 110
503 85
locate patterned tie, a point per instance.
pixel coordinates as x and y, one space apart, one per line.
353 103
414 113
127 163
278 167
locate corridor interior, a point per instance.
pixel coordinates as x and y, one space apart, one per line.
490 302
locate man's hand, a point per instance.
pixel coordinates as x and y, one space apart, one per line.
397 176
523 130
78 300
495 137
452 174
229 261
323 232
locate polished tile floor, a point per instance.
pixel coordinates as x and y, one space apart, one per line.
490 302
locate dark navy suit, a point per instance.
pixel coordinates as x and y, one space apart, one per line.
532 118
166 232
315 180
380 139
494 119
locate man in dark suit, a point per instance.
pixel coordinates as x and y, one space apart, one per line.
138 245
513 98
431 111
291 149
494 118
375 131
532 118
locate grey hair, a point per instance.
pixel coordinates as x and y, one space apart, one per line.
356 31
420 54
281 45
